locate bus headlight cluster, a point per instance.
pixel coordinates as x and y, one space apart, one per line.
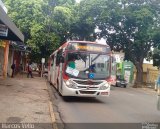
71 84
104 87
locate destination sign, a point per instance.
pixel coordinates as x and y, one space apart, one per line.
88 47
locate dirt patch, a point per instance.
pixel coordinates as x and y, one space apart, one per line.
14 119
39 113
8 85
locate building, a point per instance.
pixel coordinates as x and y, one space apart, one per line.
8 33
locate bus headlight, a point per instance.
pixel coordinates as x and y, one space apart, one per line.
104 87
68 82
71 84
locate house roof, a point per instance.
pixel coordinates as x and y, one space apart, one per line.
14 34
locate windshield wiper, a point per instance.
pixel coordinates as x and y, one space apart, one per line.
95 57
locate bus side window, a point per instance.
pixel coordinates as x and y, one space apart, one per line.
52 63
57 60
59 55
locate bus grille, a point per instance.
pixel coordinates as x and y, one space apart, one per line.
90 87
87 82
87 92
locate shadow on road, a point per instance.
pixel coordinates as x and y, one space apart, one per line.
103 126
81 99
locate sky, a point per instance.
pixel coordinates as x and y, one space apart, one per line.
78 1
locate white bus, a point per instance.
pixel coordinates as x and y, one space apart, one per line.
81 68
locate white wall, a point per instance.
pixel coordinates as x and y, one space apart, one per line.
148 62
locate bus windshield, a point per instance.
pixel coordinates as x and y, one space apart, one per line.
87 65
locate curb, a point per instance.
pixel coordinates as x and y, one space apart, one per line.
147 90
54 125
52 115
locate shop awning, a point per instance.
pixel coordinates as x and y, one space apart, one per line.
14 34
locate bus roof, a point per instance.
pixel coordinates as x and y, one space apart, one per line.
87 42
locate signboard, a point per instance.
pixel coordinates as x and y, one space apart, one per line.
88 47
43 60
127 75
2 44
127 66
3 30
119 57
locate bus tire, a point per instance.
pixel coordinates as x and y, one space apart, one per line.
50 80
57 85
58 88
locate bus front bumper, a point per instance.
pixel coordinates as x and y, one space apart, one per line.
85 92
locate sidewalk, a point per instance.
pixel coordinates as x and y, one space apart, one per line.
25 100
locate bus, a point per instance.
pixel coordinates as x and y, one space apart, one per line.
81 68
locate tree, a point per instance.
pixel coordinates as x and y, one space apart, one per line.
35 20
46 24
156 57
63 18
83 25
130 26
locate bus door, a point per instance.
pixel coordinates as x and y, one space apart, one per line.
58 73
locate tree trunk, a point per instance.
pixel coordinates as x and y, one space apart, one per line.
139 75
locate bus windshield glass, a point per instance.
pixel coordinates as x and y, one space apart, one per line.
87 65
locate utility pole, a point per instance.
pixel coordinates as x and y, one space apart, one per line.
42 69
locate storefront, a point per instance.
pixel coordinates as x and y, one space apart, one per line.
8 32
1 57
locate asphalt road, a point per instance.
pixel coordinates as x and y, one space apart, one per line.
125 106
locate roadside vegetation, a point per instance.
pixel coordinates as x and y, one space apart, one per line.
132 26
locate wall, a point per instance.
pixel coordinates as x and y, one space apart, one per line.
149 66
18 59
10 61
150 73
152 76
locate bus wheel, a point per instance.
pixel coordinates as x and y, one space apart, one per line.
57 85
50 80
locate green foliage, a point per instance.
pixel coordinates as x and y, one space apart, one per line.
35 20
128 25
83 24
156 57
131 26
63 18
46 24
